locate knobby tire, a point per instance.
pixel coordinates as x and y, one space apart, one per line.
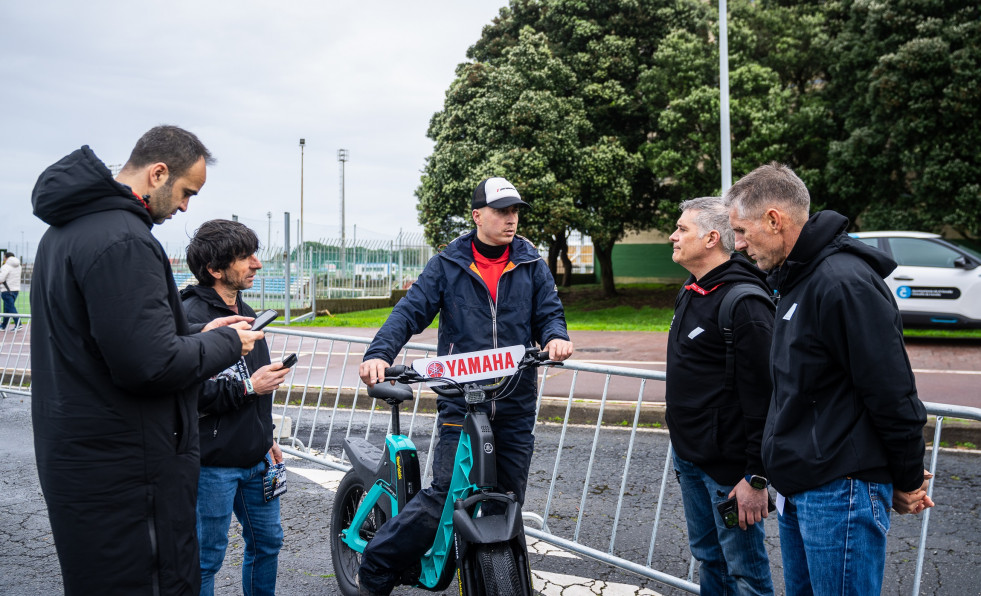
350 493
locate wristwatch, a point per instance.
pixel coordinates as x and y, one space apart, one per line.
250 390
758 482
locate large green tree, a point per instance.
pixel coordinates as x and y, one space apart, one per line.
518 118
600 186
906 82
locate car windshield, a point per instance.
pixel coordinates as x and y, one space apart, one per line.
969 246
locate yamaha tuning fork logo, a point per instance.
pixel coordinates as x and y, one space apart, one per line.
435 370
488 448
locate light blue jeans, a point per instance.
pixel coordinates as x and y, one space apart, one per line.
222 491
833 538
731 561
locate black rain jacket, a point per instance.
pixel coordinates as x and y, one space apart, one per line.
236 429
116 375
719 431
844 396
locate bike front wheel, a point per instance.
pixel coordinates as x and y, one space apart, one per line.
350 493
497 570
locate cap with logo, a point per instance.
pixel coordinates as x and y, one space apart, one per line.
497 193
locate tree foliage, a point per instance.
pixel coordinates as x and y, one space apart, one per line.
908 92
605 113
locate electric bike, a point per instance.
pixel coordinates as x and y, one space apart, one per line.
488 551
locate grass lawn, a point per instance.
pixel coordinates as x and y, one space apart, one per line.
638 307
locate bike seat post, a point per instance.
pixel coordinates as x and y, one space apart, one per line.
396 429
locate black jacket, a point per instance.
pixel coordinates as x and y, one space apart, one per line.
719 431
236 430
116 375
844 397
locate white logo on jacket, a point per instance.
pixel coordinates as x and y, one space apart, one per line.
695 332
790 313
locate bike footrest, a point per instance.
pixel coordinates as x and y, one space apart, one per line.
363 452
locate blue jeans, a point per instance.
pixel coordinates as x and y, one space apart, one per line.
731 561
220 492
9 306
833 538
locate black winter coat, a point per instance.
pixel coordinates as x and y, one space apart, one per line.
116 376
844 396
236 430
719 431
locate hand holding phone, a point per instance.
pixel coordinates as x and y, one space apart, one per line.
263 319
289 361
729 510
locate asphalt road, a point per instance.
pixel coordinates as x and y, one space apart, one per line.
28 564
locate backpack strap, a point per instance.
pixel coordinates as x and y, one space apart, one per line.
726 312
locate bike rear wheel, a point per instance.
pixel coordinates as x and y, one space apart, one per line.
350 493
497 570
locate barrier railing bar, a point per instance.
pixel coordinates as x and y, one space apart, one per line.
558 450
626 465
921 551
592 459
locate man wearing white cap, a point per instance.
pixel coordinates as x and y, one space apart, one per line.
491 289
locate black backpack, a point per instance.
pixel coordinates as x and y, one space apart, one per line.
726 310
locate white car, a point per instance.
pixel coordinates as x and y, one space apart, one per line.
937 282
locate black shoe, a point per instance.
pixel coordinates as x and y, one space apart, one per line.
363 591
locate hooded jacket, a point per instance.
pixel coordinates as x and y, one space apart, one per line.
719 431
844 396
527 312
236 429
10 275
116 375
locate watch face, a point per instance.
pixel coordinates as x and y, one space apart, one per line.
758 482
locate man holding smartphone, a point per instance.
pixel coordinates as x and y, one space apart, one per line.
717 394
116 368
237 446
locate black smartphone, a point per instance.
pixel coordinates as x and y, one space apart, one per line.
289 361
729 510
263 319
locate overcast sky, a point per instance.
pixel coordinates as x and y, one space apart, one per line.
250 79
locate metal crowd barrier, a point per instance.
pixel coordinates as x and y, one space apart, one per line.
324 395
15 356
325 390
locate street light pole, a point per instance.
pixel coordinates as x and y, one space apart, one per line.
724 96
303 142
342 157
269 230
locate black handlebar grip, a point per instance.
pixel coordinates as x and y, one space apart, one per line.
395 371
541 356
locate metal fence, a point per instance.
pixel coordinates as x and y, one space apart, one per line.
331 268
324 392
327 269
324 401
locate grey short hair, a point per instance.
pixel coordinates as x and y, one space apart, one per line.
770 184
712 215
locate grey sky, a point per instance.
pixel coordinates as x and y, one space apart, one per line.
250 78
